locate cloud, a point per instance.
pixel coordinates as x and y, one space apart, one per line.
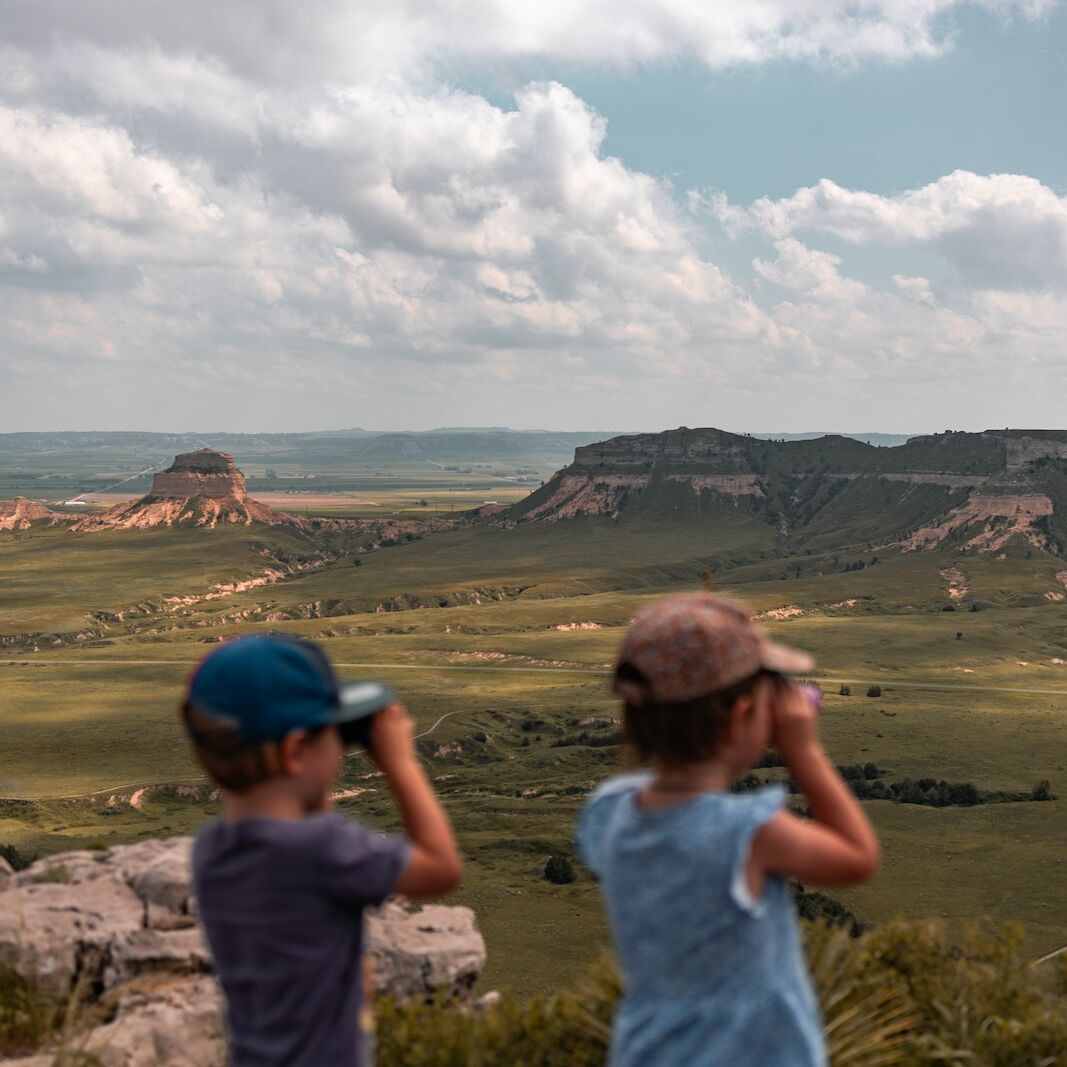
433 234
346 42
807 272
247 211
999 231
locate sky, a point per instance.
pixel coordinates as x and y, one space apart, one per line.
766 215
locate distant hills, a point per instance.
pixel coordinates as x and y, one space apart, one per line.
999 491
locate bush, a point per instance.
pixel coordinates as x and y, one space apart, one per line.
19 860
559 871
874 690
1042 790
845 691
816 906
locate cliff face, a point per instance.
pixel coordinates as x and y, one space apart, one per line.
207 473
202 488
985 492
21 513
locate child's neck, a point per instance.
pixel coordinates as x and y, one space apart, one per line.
679 781
274 799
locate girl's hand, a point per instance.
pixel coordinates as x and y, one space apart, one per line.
794 722
392 739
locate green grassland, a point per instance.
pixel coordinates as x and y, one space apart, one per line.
499 640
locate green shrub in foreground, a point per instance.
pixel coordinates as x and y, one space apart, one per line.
902 993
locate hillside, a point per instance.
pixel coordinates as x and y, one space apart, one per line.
996 491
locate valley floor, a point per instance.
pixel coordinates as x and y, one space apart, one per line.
499 640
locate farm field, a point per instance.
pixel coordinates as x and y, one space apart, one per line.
409 503
500 640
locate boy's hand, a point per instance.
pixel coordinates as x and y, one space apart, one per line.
392 739
795 719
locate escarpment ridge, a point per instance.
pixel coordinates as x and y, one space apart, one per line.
985 492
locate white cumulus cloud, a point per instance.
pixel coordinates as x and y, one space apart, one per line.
997 231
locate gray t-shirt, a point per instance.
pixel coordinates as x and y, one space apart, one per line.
282 905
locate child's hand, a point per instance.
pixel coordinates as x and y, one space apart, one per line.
392 738
795 719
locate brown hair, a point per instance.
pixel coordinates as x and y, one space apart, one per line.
678 733
228 760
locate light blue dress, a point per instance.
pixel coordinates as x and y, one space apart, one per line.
714 978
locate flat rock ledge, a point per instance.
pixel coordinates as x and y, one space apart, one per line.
120 927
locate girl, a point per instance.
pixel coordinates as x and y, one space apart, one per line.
694 877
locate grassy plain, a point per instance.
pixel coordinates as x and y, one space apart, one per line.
499 640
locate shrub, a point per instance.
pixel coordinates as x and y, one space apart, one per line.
874 690
845 691
816 906
559 871
19 860
1042 790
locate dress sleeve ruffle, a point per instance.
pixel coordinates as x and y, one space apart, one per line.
759 808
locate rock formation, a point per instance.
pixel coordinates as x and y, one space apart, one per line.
987 492
120 925
21 514
202 488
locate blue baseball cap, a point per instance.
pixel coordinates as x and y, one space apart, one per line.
269 686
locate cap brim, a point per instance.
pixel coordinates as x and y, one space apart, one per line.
357 700
785 659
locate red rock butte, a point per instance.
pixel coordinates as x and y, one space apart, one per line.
202 488
206 473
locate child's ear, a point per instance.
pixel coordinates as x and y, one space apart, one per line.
291 749
740 713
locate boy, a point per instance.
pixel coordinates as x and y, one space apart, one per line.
280 881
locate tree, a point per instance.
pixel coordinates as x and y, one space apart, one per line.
874 690
845 691
959 635
560 871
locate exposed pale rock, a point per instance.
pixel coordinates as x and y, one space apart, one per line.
415 954
165 885
141 952
54 932
22 513
989 523
123 920
173 1022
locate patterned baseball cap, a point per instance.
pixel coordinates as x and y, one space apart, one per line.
692 644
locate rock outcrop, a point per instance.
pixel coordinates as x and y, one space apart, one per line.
22 513
985 492
120 926
202 488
